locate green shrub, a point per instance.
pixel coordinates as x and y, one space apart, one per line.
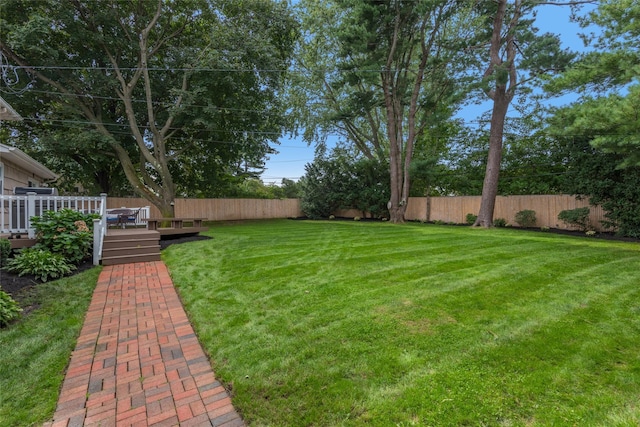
65 232
9 309
578 217
41 263
499 222
471 218
5 251
526 218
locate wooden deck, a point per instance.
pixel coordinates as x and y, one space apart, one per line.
22 241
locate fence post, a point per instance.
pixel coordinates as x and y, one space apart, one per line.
31 211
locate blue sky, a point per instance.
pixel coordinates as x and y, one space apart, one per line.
293 154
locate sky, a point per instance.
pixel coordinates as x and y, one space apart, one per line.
294 153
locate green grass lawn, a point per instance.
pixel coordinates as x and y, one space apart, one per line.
35 351
353 323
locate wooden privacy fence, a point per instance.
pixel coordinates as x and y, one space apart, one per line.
547 208
447 209
220 209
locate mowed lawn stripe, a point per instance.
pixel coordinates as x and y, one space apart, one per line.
339 323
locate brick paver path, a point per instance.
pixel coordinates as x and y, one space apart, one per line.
138 361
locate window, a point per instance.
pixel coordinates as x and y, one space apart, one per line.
1 178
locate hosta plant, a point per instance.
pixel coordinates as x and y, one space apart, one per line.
5 251
9 309
40 263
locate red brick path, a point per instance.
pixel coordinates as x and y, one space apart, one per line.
138 361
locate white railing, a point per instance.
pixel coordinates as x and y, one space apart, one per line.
16 211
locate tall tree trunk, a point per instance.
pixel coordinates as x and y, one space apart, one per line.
504 75
492 173
395 205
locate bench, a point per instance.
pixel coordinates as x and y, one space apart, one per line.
176 223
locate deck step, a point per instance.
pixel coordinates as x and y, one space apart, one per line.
130 246
128 259
129 243
130 250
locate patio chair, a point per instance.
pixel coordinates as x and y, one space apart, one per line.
122 217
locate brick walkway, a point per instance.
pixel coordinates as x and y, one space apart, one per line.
138 361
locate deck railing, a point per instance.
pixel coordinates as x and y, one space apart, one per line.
16 211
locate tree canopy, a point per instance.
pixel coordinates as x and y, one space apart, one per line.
608 78
183 94
381 74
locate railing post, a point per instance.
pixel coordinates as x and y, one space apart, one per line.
103 207
31 211
97 240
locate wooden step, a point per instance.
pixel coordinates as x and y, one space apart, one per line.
128 246
128 259
130 250
129 243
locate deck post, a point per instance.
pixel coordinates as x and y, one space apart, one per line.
31 211
103 207
97 240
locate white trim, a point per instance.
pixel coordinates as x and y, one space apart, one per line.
20 158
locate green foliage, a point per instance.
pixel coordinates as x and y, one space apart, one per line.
339 182
526 167
499 222
595 173
526 218
9 309
65 232
320 186
41 263
578 217
471 218
608 77
214 95
5 251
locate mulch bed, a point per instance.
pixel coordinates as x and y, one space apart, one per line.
16 285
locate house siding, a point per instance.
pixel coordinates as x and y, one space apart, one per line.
15 176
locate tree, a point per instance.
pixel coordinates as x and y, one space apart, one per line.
599 134
162 84
607 77
594 173
386 76
322 186
341 180
516 56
